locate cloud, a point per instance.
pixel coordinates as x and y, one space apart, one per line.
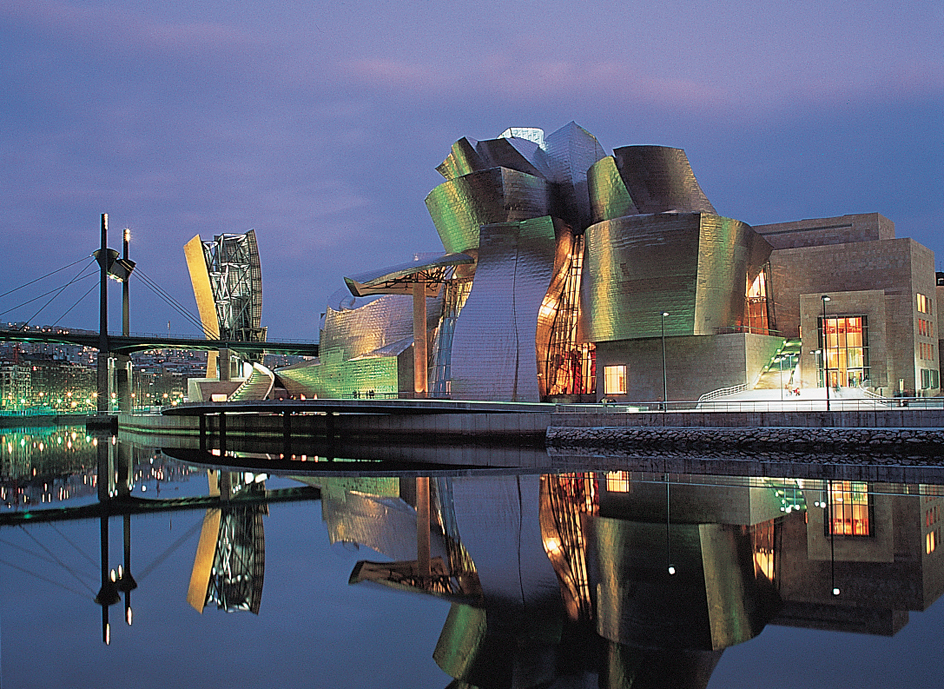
501 76
107 28
745 91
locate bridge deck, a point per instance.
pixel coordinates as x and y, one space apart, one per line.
126 344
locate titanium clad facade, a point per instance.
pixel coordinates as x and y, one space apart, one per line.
660 179
334 377
494 351
609 197
560 261
571 152
694 266
366 346
367 326
460 206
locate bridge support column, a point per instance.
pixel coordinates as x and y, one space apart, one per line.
225 363
123 382
419 340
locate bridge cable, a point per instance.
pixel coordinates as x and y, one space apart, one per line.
61 289
58 561
173 547
28 551
163 294
82 594
74 545
27 284
55 292
44 294
74 305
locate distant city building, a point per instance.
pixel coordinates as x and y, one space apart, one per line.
36 377
15 385
569 274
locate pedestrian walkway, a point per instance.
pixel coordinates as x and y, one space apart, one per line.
807 399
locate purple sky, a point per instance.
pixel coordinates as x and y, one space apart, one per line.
320 125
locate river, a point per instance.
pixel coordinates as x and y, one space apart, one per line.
341 577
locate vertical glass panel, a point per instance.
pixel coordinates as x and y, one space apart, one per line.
614 380
846 353
849 509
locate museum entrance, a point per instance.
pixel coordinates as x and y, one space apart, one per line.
846 347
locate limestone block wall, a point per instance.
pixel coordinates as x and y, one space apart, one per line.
694 364
900 268
868 303
860 227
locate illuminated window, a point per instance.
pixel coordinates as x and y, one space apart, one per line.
756 312
763 538
619 482
849 509
847 349
924 303
614 380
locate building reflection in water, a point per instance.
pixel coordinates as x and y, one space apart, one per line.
229 566
637 580
591 579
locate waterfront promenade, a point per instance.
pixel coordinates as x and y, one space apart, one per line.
855 431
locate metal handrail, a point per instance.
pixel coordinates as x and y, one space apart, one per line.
722 392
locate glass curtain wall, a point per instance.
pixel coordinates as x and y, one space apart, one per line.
845 341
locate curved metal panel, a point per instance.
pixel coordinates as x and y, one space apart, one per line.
572 151
515 154
462 160
725 249
374 325
609 197
660 179
202 289
692 265
460 206
334 377
494 353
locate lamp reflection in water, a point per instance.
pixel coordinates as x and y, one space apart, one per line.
832 530
668 524
665 394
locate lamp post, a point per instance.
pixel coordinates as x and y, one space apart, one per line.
665 387
825 352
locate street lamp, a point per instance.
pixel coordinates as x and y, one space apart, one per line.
825 352
665 394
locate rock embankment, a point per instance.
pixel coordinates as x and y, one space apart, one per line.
897 442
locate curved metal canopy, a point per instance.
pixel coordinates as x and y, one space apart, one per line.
400 279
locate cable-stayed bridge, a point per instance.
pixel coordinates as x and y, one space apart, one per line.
128 344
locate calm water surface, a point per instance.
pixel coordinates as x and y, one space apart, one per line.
558 580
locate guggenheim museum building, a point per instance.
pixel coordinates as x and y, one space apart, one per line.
571 274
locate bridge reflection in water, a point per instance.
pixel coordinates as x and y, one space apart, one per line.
582 578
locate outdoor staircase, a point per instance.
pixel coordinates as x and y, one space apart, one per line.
258 386
771 377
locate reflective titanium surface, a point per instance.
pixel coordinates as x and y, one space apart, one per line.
531 580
